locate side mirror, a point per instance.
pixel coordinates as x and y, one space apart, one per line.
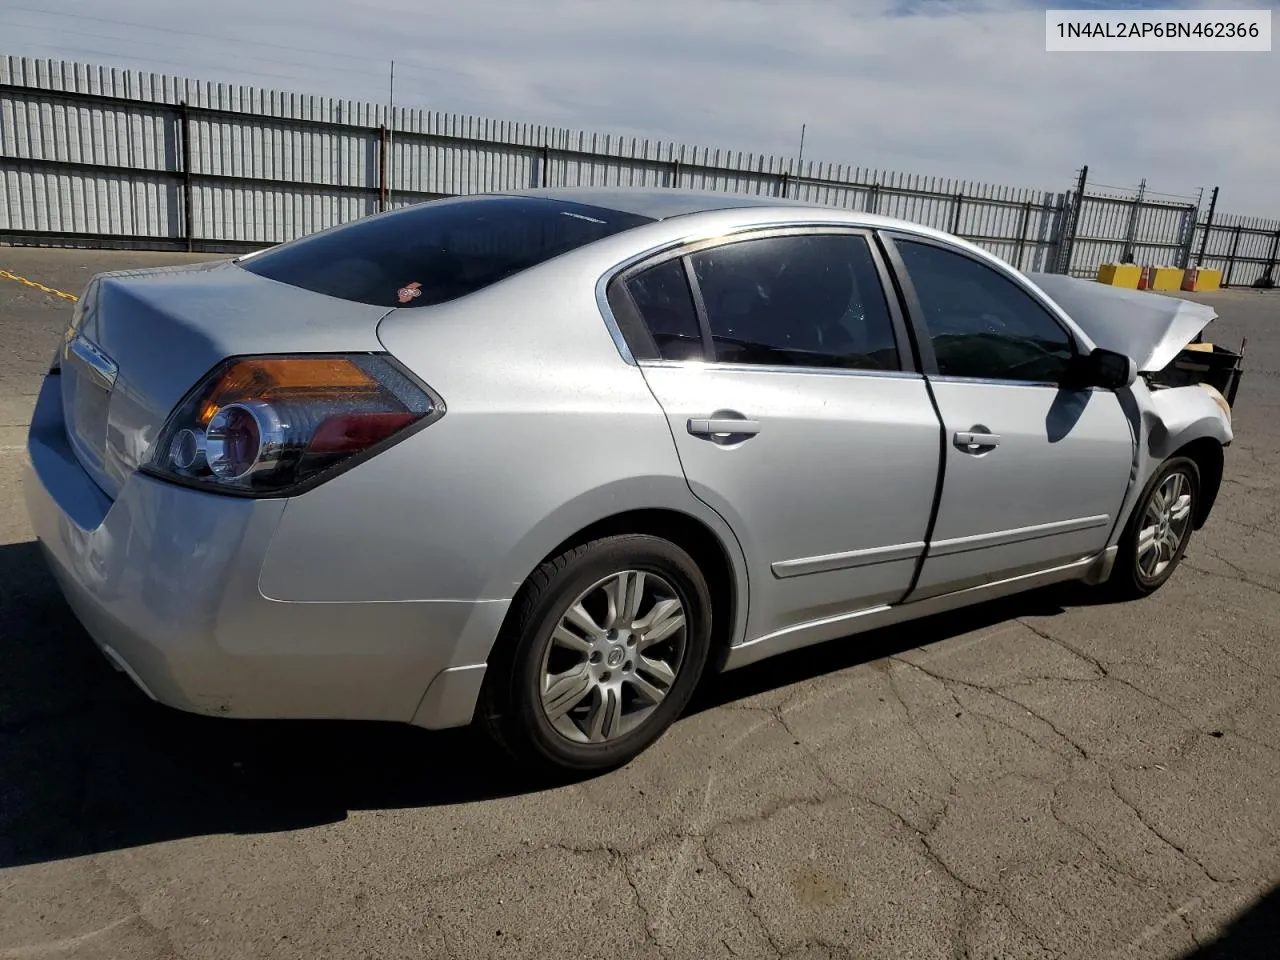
1102 368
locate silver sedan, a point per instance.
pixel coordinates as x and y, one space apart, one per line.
543 460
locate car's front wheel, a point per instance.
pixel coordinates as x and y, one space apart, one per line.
1159 530
600 655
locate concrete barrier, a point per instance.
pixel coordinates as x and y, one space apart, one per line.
1199 279
1120 275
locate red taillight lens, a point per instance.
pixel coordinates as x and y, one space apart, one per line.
268 425
355 431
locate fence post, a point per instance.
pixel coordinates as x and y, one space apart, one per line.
1208 225
1231 257
1131 232
1070 221
956 204
1022 233
188 213
675 173
1187 232
873 198
382 167
1268 278
546 165
1047 236
786 178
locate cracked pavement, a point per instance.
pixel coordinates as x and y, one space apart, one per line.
1047 777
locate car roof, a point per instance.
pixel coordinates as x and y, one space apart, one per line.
658 203
668 203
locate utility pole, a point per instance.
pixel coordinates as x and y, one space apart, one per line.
793 173
1208 225
1131 234
391 132
1187 230
1071 216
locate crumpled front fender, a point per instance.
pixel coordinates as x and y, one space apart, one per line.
1166 421
1180 415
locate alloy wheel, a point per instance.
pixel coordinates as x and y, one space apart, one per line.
613 657
1165 525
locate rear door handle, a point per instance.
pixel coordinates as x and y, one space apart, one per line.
722 426
969 441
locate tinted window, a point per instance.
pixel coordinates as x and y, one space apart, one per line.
982 324
811 301
437 251
662 296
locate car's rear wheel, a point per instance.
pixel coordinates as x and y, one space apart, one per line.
602 651
1159 530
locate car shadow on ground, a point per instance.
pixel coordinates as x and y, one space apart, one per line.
1253 935
88 764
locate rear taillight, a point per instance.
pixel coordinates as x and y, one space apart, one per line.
272 425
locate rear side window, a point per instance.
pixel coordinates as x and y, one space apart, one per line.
438 251
804 301
662 296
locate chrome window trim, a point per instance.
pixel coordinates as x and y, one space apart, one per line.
996 381
781 369
611 323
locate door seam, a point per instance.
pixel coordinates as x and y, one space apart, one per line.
937 494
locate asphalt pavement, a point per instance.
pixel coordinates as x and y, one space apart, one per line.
1047 777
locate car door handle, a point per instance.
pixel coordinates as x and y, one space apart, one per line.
731 426
969 441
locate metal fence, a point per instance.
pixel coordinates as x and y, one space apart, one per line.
100 156
1244 248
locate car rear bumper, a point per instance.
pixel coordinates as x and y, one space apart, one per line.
165 580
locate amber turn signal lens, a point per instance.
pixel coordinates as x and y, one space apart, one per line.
274 377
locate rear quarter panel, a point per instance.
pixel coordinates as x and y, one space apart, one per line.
548 430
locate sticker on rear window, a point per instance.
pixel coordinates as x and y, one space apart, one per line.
409 292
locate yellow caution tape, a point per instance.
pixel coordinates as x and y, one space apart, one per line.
6 275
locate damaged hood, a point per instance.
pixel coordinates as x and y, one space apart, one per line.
1150 328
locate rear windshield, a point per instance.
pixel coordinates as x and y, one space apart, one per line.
438 251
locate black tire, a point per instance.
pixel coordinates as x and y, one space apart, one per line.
510 707
1128 580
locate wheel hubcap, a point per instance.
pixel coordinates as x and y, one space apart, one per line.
613 657
1165 524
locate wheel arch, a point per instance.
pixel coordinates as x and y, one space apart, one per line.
719 562
1189 422
1207 454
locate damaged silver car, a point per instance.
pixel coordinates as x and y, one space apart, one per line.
544 460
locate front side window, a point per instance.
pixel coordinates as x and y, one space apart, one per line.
434 252
982 324
806 300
